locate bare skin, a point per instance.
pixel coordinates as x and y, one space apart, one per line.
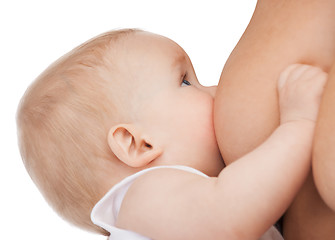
324 151
246 104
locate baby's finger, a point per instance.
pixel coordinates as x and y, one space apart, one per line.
284 75
299 71
314 73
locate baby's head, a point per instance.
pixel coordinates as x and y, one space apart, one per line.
121 102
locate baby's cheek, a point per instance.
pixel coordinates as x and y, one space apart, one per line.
207 128
208 117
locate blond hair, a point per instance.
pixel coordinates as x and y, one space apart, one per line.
63 120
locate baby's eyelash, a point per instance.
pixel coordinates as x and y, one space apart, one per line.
184 81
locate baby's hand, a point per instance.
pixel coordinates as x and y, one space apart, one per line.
300 89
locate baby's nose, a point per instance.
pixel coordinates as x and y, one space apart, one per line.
211 90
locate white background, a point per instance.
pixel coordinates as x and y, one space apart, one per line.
33 34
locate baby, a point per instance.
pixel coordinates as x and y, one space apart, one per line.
121 125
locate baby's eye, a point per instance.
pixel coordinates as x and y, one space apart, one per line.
185 82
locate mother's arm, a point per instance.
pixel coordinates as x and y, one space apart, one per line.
324 145
246 107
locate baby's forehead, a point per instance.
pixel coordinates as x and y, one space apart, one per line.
143 47
141 56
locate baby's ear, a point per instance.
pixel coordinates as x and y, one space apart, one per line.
131 146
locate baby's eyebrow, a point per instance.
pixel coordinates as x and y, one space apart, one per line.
180 58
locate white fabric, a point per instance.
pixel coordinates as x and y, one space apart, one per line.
105 212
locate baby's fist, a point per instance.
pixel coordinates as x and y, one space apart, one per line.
300 89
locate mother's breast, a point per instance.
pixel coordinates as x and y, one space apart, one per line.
246 106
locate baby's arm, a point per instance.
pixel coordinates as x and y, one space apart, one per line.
248 196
